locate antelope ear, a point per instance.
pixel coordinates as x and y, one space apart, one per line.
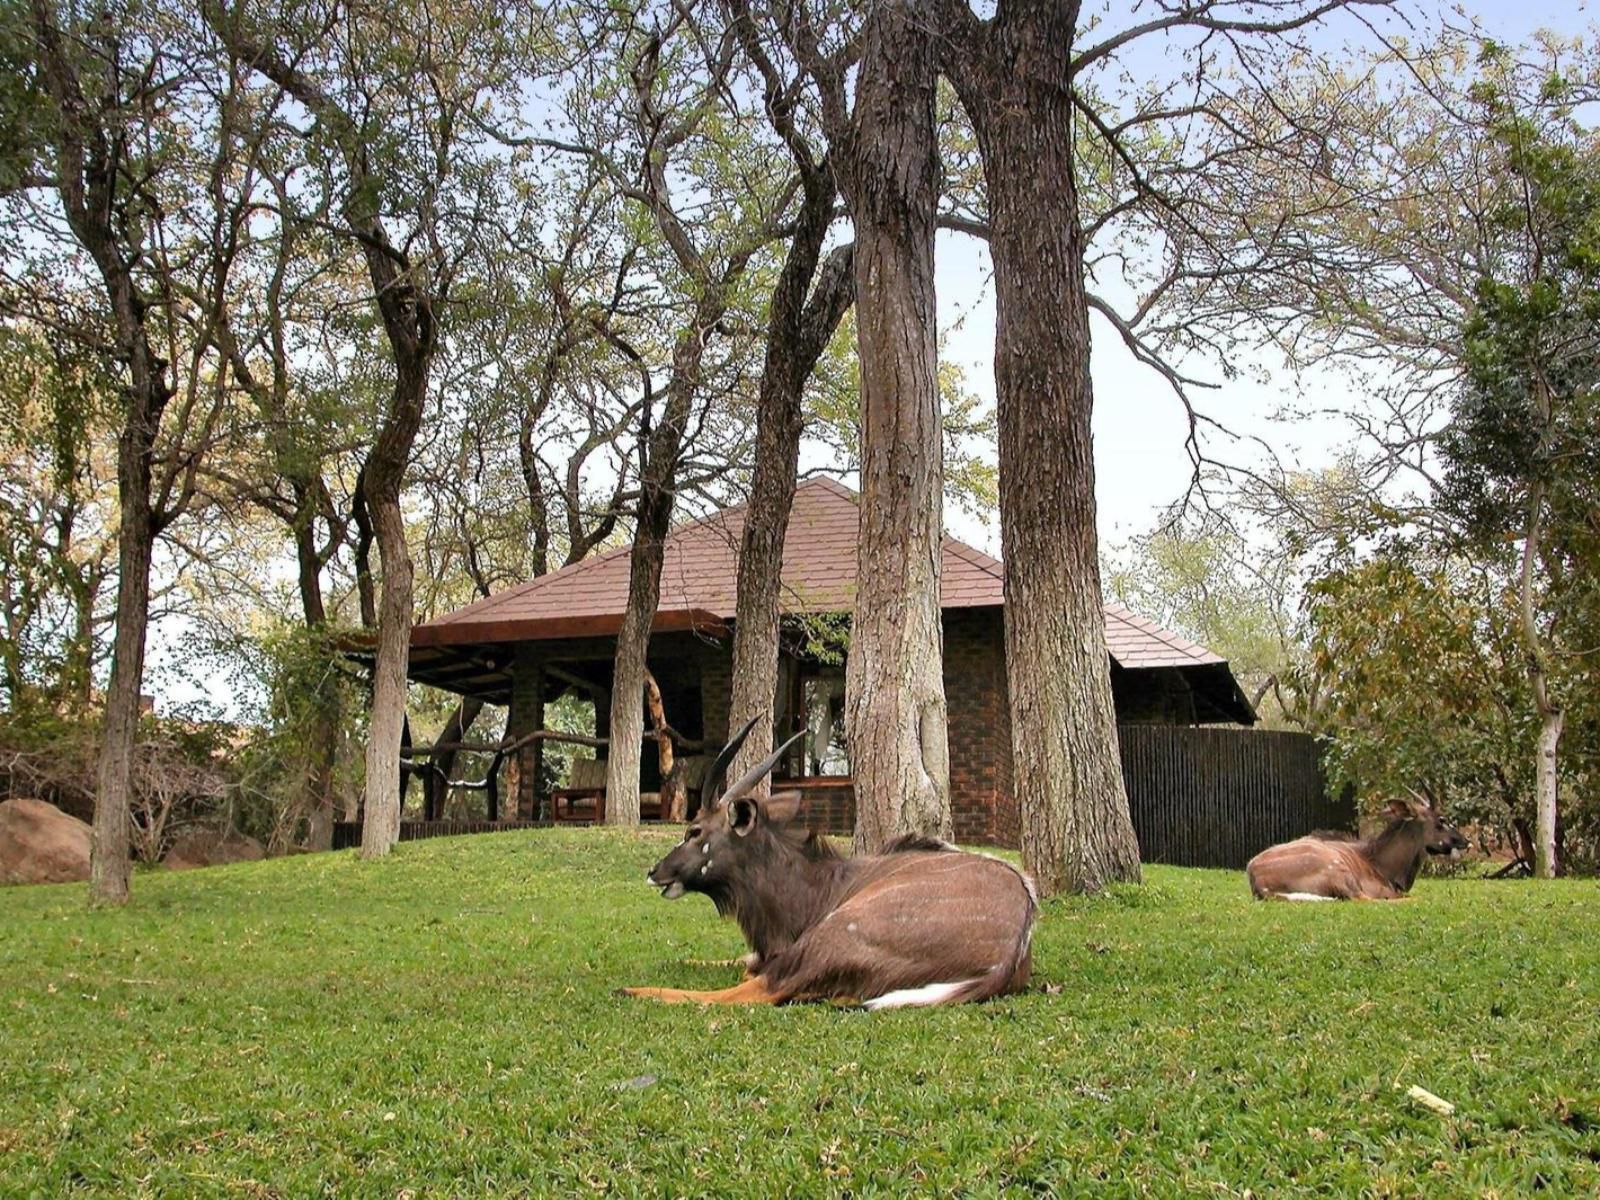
742 816
1398 808
782 807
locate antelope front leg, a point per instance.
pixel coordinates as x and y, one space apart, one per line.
748 962
751 991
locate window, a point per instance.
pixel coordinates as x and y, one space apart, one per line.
827 750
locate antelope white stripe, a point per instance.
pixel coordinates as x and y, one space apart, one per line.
1301 896
921 997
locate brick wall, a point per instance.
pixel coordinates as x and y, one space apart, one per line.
830 804
982 807
716 688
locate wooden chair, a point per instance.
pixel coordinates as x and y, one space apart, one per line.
584 797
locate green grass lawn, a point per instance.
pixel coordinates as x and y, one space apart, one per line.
444 1024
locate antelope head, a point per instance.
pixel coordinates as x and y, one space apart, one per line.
730 834
1439 837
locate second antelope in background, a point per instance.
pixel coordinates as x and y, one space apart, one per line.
1331 867
922 924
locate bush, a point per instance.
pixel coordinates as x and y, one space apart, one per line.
181 771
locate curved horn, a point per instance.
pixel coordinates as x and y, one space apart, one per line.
717 772
1418 796
753 776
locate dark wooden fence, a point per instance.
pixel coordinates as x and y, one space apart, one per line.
348 833
1215 796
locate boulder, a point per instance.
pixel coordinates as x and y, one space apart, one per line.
41 844
212 848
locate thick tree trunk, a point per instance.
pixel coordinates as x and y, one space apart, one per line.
1077 834
895 677
109 866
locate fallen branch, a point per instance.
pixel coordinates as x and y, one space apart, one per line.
1517 866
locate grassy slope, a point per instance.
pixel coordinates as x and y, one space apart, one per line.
444 1022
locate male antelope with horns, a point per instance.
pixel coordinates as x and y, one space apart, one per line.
922 924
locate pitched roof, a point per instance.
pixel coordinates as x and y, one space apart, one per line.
699 586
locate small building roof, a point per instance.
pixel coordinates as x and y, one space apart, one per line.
699 586
699 577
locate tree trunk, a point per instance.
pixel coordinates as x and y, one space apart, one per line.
109 866
1546 861
674 799
323 751
899 753
77 667
657 495
628 668
1551 716
89 165
443 766
1012 75
797 334
381 823
361 517
385 469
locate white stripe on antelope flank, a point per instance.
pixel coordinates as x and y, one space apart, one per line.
921 997
1302 896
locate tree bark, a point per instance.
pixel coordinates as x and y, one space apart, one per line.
658 481
110 867
896 712
674 801
443 765
323 752
797 334
1013 76
405 293
386 466
361 518
663 447
88 162
1551 716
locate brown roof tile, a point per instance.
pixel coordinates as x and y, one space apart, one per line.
699 577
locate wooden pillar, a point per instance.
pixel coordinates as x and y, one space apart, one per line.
526 715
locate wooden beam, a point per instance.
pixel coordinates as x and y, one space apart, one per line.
572 679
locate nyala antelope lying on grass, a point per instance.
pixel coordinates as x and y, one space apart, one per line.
922 924
1331 867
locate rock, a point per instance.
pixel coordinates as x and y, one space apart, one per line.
41 844
212 848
